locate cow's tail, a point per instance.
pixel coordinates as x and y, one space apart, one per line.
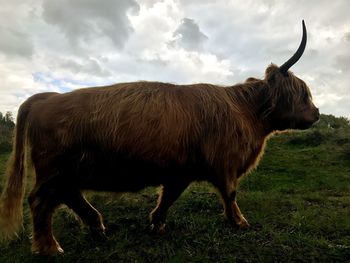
11 200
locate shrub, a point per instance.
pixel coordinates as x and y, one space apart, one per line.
313 138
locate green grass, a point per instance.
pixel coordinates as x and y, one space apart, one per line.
297 202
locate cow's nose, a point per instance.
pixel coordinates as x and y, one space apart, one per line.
317 114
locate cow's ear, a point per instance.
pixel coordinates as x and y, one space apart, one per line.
271 79
271 74
251 79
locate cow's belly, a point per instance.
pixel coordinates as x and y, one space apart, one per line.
122 173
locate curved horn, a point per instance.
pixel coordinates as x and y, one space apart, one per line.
290 62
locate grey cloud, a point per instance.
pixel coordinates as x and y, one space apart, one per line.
347 37
87 20
86 66
342 62
189 35
338 108
149 3
15 43
79 40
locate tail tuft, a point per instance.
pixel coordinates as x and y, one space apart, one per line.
11 202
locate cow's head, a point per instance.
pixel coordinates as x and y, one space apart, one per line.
291 105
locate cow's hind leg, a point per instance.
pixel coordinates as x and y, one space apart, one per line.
88 214
43 201
231 209
168 195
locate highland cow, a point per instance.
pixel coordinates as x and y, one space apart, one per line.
128 136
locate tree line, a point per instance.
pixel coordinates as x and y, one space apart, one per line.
332 122
6 131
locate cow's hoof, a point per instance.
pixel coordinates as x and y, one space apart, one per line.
243 224
50 251
157 229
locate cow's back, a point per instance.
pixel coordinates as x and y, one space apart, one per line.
148 120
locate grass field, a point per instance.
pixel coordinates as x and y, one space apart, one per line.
297 202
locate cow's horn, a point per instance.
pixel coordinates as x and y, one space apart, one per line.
290 62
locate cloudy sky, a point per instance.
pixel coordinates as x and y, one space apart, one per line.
62 45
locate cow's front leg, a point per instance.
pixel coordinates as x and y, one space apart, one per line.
231 209
238 217
168 195
87 213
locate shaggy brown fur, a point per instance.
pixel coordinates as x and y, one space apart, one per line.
128 136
